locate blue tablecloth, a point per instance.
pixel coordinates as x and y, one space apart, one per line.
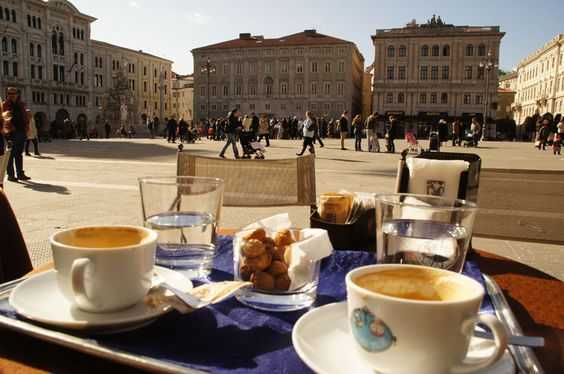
232 338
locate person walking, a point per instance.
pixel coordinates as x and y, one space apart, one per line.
150 127
264 130
358 128
107 129
390 135
83 129
233 126
542 134
370 125
308 131
343 128
317 132
15 128
475 130
171 129
456 133
31 136
560 130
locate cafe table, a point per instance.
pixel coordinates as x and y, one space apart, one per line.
536 299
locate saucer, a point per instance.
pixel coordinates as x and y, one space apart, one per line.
39 299
323 341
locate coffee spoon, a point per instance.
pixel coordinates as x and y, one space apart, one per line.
519 340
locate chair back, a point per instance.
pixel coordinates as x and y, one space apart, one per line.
14 258
260 183
522 205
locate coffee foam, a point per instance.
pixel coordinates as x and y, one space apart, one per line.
413 284
102 237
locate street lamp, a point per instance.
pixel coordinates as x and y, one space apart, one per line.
488 65
208 69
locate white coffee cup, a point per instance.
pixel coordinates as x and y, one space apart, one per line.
104 268
416 319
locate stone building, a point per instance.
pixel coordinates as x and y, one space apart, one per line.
279 76
47 52
183 96
433 70
367 93
505 99
508 81
540 81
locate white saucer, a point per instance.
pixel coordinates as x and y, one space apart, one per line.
322 339
40 300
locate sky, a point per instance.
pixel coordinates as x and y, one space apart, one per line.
172 28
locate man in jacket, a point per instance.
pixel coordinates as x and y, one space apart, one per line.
371 124
233 127
343 128
15 128
171 128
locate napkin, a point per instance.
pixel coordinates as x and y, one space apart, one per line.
435 177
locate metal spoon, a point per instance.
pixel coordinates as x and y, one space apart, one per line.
519 340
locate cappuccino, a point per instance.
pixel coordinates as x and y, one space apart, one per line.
423 284
103 237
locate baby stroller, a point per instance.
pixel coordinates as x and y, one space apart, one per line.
412 143
434 140
468 140
251 146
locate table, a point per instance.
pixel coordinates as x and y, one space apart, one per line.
537 300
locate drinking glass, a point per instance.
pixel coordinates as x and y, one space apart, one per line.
185 212
423 230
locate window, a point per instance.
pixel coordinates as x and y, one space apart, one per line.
55 73
299 88
480 74
61 44
444 98
469 50
313 88
433 98
391 51
401 98
314 67
75 58
445 74
225 90
446 50
39 51
202 91
252 67
284 67
468 72
268 67
327 67
425 51
15 69
401 73
213 91
402 51
14 20
4 45
389 98
284 88
423 73
7 12
225 69
341 67
434 73
31 49
478 100
299 68
239 68
32 71
390 72
14 46
341 89
268 86
435 50
481 50
327 88
40 72
267 107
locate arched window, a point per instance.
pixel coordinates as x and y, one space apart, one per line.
402 51
39 23
1 13
469 50
14 46
39 51
444 98
401 98
435 50
268 86
391 51
61 44
446 50
54 43
29 20
4 45
14 16
34 21
481 50
425 51
7 13
81 34
73 32
31 49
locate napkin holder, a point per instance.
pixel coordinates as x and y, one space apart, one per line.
469 180
359 235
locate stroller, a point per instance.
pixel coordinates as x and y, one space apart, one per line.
412 143
251 146
468 140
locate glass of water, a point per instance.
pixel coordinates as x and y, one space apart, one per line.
185 212
423 230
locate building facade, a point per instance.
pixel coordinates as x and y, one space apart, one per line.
540 81
48 54
279 77
183 96
505 100
434 69
509 81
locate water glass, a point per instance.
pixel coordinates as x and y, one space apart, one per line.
423 230
185 212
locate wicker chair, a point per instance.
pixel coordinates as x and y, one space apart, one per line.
257 183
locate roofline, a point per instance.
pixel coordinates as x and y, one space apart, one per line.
106 44
77 14
559 38
415 35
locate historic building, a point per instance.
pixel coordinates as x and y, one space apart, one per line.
505 99
508 81
278 76
540 81
48 54
436 70
183 96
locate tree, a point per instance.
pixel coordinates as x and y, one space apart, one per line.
119 94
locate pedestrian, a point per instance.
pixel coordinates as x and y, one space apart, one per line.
171 129
15 128
456 131
31 136
370 125
390 135
358 128
156 126
150 127
83 129
183 131
343 127
443 131
233 127
107 129
542 134
560 130
317 133
308 130
475 130
264 129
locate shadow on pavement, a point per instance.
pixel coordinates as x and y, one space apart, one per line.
341 159
49 188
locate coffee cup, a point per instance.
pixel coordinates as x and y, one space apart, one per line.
104 268
417 319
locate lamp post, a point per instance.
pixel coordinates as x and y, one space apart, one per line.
487 65
207 69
